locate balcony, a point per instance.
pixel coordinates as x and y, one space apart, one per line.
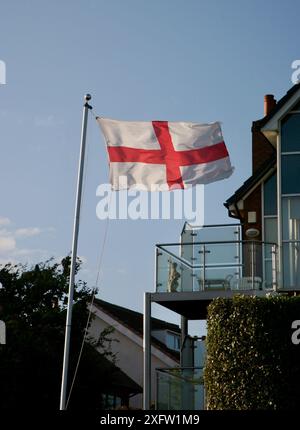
180 389
219 266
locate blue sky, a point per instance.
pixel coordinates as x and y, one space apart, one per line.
173 60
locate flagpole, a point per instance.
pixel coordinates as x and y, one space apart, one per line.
64 382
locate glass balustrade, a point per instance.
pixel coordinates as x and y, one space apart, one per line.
217 266
180 389
291 264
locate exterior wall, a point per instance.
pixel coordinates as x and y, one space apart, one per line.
129 350
252 204
262 150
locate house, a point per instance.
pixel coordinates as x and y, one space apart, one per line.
108 387
258 254
268 203
122 387
127 344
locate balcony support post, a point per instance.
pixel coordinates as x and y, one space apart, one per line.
184 328
252 265
274 268
184 346
279 212
147 352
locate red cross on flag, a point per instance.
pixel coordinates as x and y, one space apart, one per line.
161 155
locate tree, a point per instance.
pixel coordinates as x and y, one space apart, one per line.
33 307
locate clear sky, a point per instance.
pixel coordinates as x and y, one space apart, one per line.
174 60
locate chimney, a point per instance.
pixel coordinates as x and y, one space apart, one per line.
269 103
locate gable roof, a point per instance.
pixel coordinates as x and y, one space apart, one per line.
279 105
134 321
252 181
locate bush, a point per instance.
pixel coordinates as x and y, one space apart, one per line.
251 360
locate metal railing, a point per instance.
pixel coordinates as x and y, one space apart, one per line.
180 388
216 266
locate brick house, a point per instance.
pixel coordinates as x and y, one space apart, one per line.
257 255
272 193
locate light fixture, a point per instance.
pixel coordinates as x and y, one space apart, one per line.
252 232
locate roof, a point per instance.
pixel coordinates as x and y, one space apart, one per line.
278 105
252 181
134 321
120 381
271 162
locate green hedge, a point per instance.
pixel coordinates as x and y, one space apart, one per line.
251 360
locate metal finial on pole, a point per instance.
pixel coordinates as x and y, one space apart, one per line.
63 393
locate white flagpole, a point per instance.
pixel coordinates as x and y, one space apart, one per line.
64 382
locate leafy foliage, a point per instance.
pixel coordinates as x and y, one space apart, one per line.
33 306
251 360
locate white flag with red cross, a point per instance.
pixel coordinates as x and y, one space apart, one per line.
162 155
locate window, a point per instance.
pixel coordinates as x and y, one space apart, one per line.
290 200
291 241
173 341
271 230
290 133
270 195
290 172
291 218
270 236
111 401
270 227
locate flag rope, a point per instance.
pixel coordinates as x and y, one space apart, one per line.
94 291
